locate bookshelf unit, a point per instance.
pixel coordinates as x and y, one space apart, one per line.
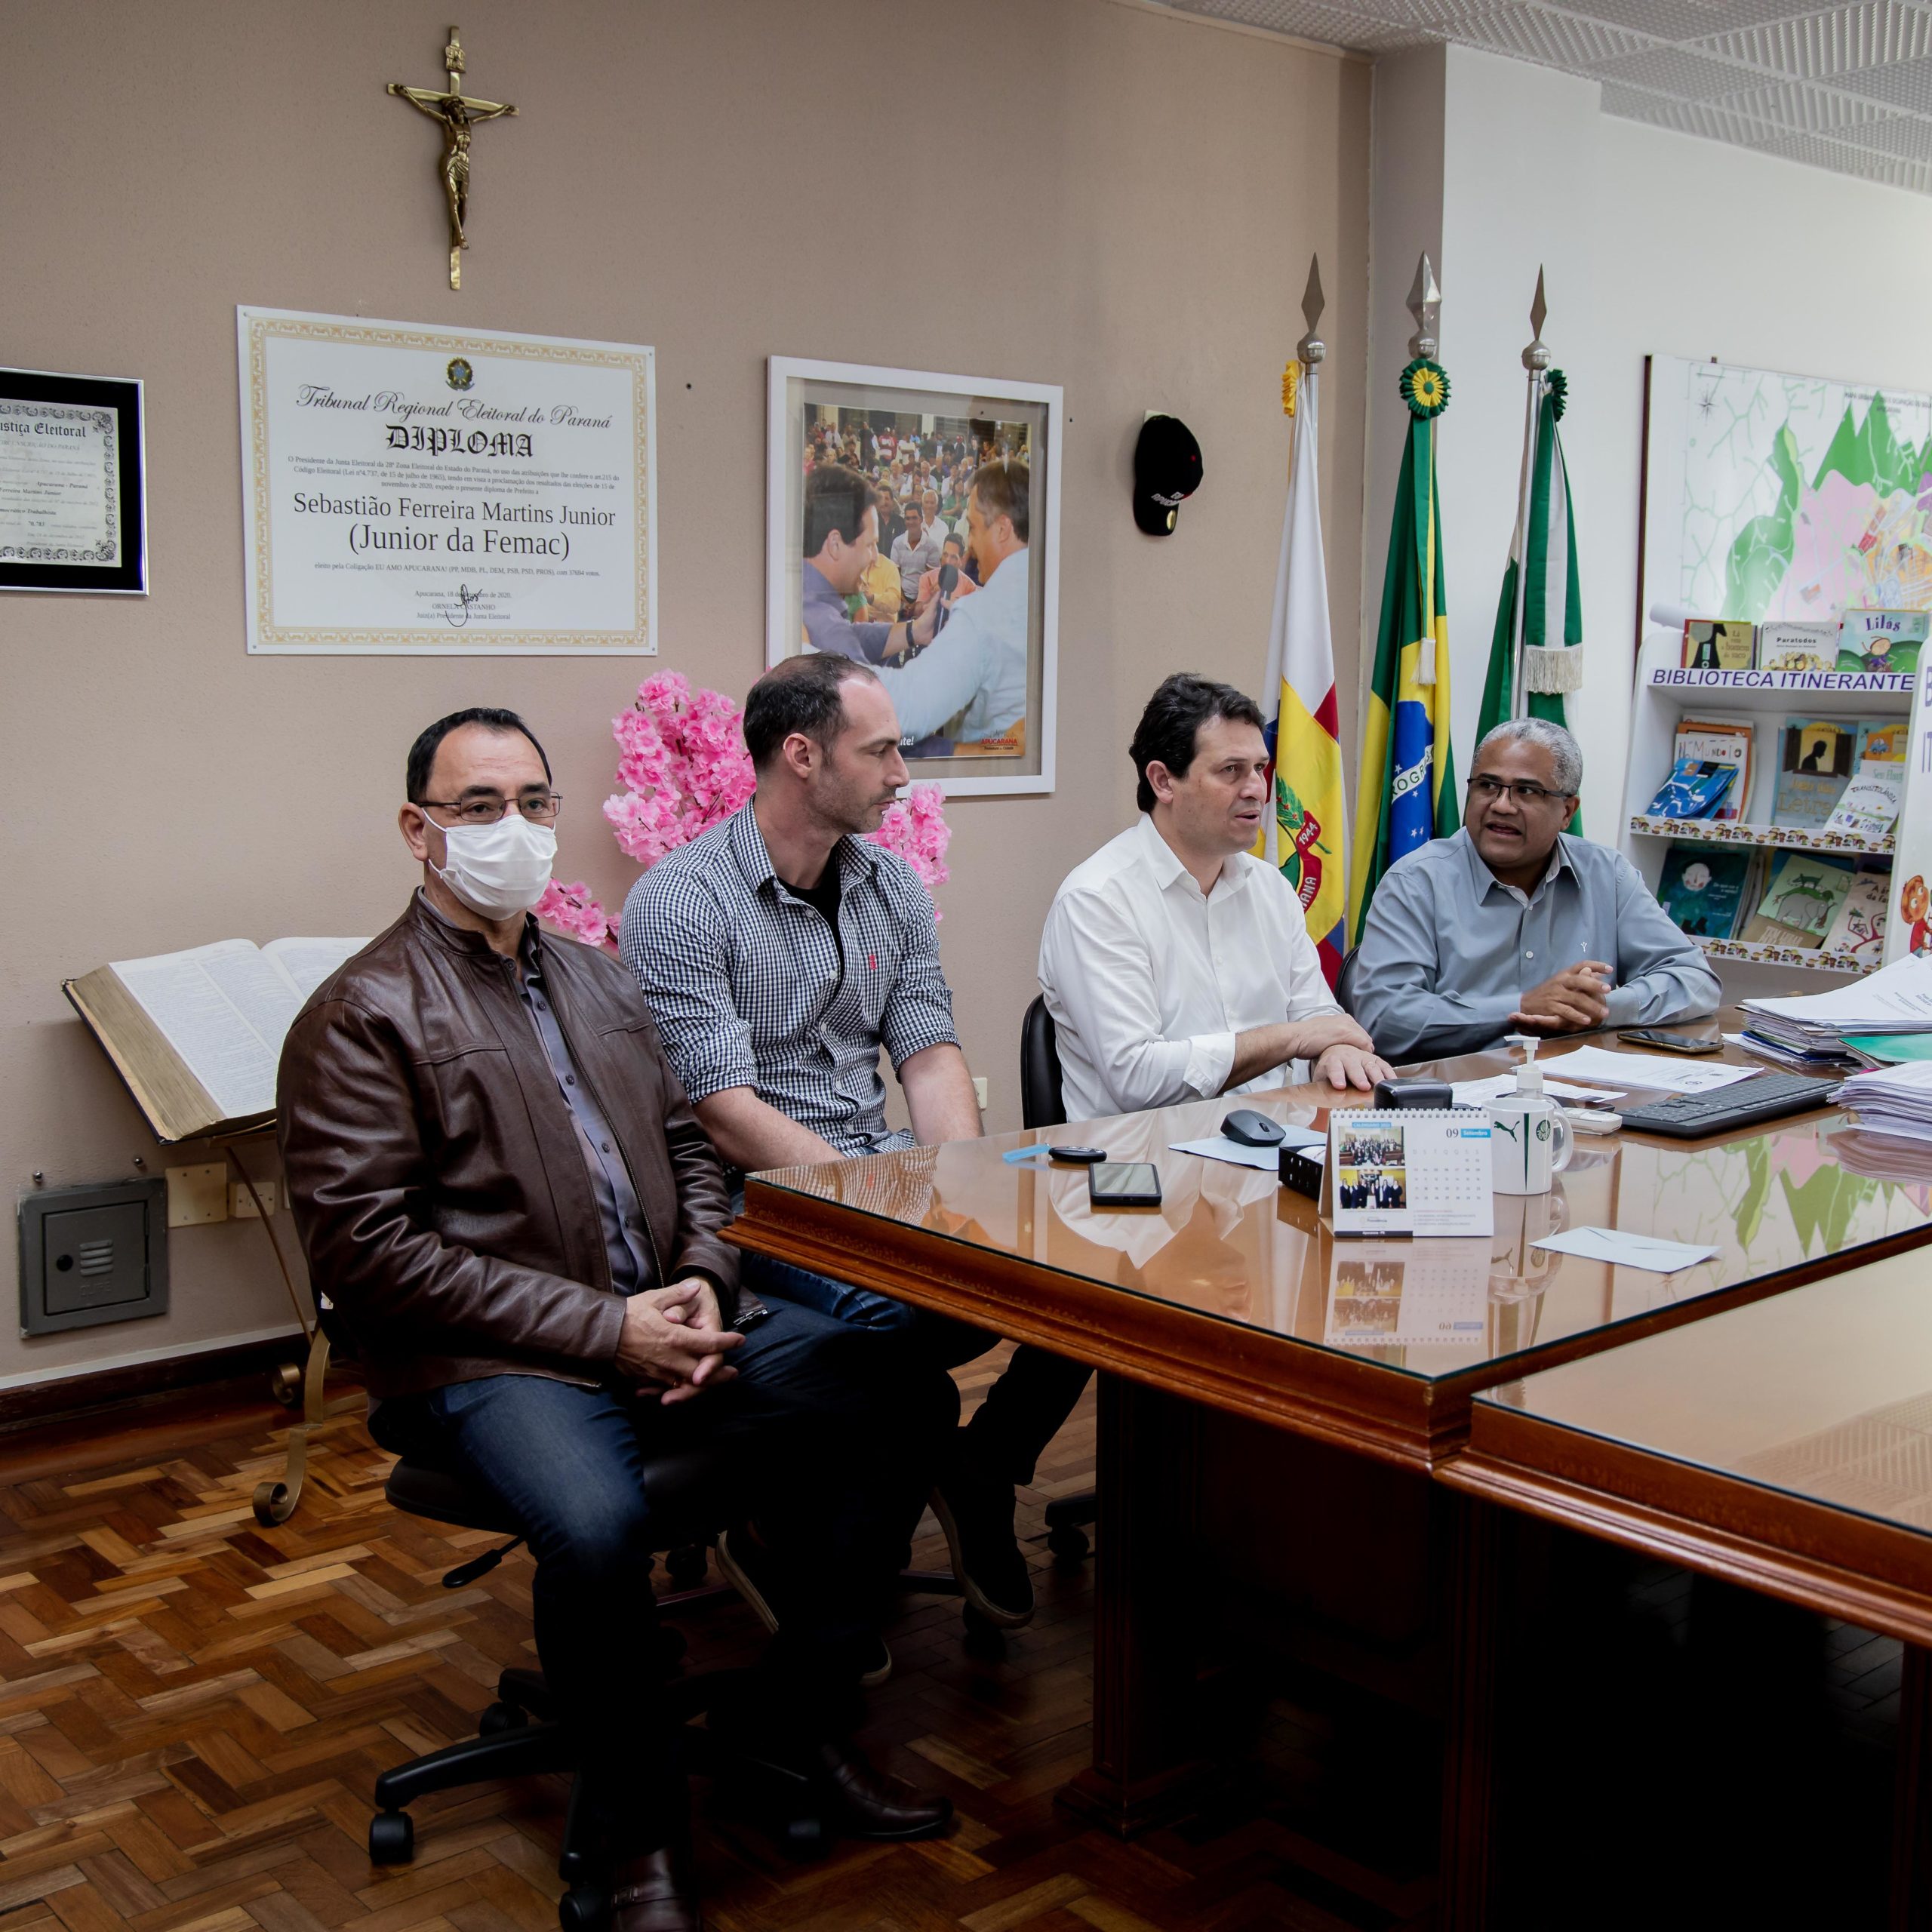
1666 693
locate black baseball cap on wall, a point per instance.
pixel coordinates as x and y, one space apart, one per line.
1167 472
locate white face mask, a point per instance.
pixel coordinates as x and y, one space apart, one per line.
499 870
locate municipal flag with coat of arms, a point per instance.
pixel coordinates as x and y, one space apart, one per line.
1406 793
1306 834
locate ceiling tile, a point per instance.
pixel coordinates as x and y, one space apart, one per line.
1822 151
1795 104
1906 83
1375 30
1908 135
1685 20
1552 36
1711 120
1816 46
1674 70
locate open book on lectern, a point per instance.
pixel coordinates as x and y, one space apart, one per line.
197 1035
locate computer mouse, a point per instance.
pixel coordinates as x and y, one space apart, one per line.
1251 1129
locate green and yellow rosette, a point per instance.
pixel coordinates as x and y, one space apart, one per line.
1425 387
1558 385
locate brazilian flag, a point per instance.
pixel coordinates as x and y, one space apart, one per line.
1406 791
1552 603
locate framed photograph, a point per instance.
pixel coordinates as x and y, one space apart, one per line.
73 484
912 522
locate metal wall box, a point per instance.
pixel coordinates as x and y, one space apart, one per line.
89 1255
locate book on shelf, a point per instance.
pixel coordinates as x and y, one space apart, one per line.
1694 789
1868 808
1720 741
1857 932
1798 647
1881 640
1702 888
1881 741
1801 901
1814 764
197 1035
1719 644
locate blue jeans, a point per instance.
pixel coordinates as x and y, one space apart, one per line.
1023 1410
833 1458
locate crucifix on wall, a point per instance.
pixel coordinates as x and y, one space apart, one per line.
457 113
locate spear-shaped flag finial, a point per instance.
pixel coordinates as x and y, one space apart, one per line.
1312 349
1425 298
1537 356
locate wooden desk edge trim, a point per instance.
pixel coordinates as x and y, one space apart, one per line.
1246 1374
1756 1549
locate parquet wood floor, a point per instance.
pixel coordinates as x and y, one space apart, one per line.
193 1711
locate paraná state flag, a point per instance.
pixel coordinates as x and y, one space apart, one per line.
1306 834
1552 602
1406 794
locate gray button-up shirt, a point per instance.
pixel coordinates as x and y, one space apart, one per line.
748 987
619 1215
1449 950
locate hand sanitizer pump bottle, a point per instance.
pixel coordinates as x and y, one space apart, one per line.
1529 1139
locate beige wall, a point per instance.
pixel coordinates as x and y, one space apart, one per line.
1121 201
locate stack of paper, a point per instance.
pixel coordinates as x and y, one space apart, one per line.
1810 1030
1892 1101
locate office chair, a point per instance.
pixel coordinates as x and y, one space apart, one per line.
1041 1105
1341 979
518 1735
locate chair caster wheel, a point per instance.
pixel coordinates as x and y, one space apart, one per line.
392 1838
500 1717
805 1839
1068 1542
685 1566
581 1909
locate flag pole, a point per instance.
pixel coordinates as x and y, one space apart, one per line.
1536 360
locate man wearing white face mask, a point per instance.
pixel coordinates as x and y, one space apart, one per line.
501 1187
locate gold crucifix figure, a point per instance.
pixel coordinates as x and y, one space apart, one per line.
458 113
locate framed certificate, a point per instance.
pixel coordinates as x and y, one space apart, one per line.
73 489
444 492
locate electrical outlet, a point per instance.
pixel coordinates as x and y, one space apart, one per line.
197 1195
979 1090
242 1203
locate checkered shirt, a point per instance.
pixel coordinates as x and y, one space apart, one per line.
743 977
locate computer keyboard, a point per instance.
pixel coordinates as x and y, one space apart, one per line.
1763 1097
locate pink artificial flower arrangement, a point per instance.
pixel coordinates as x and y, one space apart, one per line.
684 768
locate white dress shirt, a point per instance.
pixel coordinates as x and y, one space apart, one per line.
1148 979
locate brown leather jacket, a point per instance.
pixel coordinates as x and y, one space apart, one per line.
433 1169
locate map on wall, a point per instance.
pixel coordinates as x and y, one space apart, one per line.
1770 496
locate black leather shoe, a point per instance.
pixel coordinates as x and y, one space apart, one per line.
868 1803
976 1513
654 1893
747 1565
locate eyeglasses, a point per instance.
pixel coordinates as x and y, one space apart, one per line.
540 808
1528 792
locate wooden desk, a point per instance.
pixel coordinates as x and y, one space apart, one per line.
1786 1447
1233 1300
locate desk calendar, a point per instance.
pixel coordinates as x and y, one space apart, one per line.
1404 1172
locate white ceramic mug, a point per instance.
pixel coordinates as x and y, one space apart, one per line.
1529 1142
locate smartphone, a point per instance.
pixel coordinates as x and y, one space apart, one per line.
1123 1184
1671 1043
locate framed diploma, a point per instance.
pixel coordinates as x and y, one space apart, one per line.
442 492
73 489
